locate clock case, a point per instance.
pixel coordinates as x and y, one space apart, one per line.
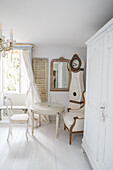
76 57
77 84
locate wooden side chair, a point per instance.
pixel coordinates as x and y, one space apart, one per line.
74 120
21 118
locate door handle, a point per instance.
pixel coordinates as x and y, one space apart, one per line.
102 113
102 107
103 117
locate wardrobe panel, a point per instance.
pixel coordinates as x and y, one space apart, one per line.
94 73
98 132
108 146
92 135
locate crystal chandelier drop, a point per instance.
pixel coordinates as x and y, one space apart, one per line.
6 45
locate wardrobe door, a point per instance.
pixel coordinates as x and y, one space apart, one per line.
93 92
106 126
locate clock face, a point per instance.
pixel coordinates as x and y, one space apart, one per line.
75 63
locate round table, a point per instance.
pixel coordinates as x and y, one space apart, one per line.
43 109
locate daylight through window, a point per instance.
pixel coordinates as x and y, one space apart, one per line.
15 77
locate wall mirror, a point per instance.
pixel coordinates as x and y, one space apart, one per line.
60 74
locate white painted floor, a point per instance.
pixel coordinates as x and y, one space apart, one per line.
43 152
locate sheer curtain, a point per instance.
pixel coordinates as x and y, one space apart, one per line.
32 93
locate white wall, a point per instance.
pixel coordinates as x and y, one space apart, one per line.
51 52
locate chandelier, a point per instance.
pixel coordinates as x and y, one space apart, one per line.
6 45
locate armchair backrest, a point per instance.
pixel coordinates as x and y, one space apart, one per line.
9 105
83 95
16 98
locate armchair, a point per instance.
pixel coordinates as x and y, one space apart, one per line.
74 119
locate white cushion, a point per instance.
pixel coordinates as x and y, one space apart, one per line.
79 125
68 117
20 118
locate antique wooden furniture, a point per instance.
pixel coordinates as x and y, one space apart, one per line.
43 109
75 63
77 85
60 74
40 70
74 120
15 118
98 131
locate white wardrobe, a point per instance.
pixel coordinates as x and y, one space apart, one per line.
98 128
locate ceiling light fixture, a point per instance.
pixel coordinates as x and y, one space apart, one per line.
6 45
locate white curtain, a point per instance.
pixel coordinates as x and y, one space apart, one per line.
32 93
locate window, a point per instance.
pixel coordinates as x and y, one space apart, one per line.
14 75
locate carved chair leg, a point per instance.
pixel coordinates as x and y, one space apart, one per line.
27 131
70 134
10 132
64 126
71 128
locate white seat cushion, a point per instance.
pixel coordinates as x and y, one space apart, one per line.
20 118
68 117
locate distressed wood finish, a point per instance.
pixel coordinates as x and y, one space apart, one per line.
40 70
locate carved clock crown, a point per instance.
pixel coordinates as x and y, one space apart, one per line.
75 63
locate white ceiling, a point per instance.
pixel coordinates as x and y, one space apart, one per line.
54 22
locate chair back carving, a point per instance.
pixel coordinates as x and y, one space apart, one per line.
9 106
83 95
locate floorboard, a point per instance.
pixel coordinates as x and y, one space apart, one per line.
41 152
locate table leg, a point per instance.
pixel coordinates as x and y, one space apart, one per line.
39 120
32 123
0 115
57 124
59 120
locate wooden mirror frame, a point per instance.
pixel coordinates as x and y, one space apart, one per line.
61 59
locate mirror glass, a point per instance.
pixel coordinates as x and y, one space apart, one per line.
60 75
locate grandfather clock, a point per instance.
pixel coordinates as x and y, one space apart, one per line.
76 85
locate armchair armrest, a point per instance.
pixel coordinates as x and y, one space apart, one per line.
79 109
75 118
69 109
